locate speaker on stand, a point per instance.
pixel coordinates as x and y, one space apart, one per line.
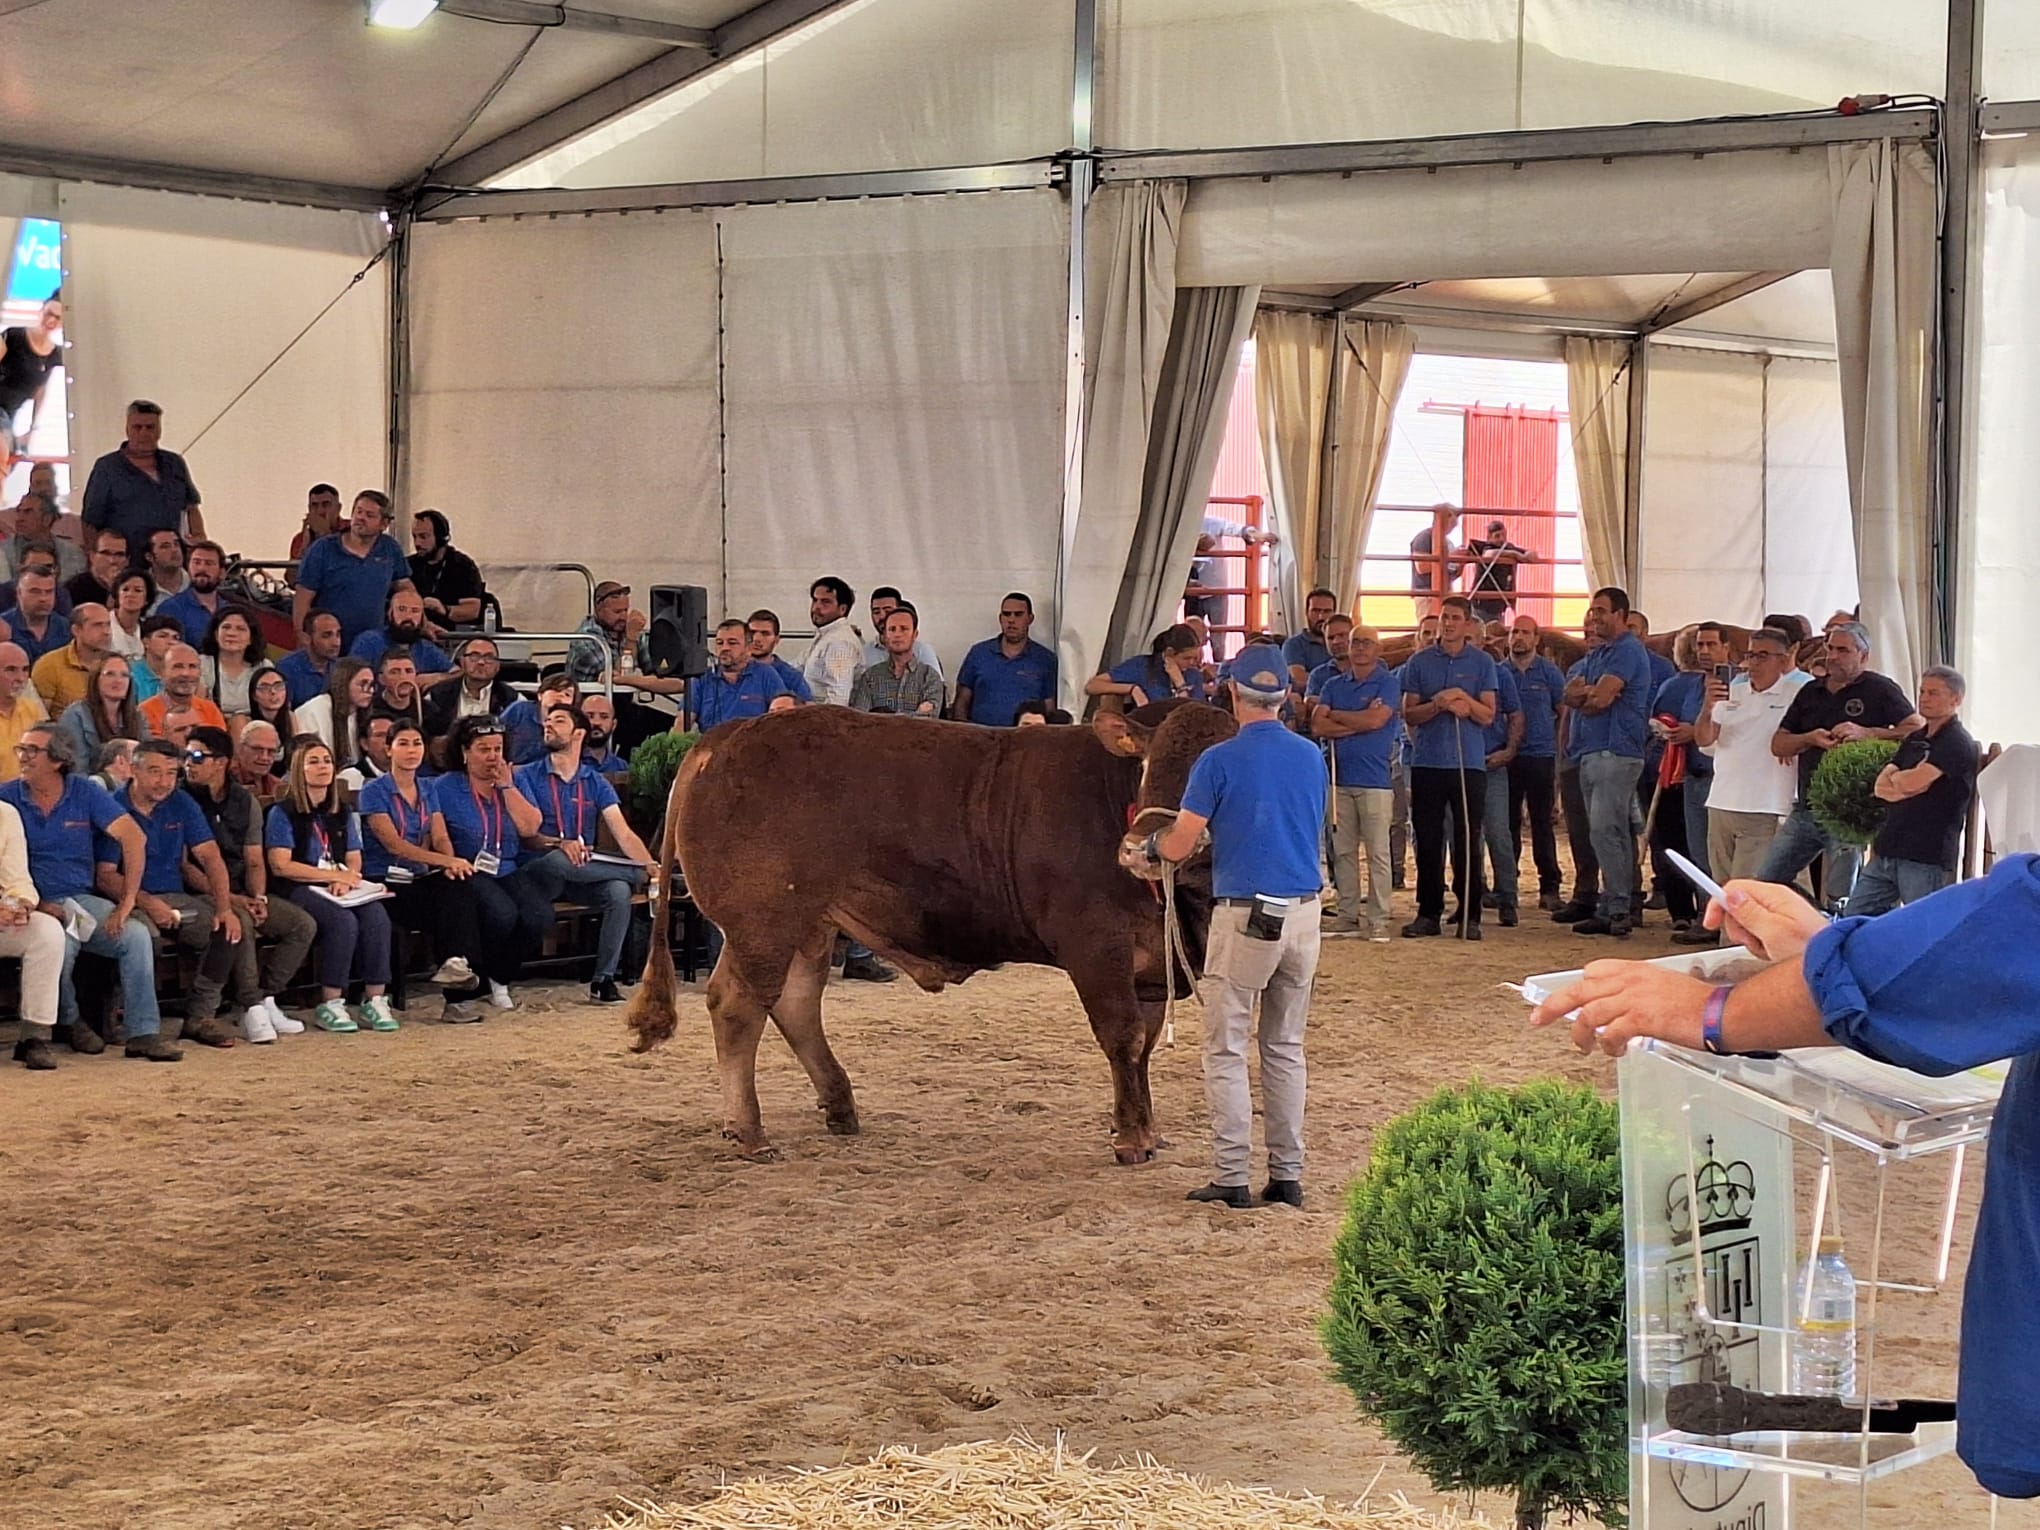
676 640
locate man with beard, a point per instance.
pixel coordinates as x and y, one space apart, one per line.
1306 650
404 626
198 602
764 627
601 714
305 671
474 692
351 573
446 577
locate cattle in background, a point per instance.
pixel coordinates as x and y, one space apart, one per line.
945 847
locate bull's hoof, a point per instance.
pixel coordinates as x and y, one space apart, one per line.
752 1150
1134 1155
843 1126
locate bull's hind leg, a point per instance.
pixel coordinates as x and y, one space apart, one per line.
798 1014
737 1016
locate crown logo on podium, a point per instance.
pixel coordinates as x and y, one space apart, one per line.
1721 1194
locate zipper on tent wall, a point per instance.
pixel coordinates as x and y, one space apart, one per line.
722 418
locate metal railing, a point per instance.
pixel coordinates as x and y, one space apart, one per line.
1442 565
1253 587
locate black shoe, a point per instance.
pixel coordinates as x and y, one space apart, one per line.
1551 903
1694 935
1490 900
1599 926
1571 913
1508 915
1283 1192
34 1055
867 969
1235 1196
153 1048
83 1039
1398 883
1656 899
1419 927
604 992
1471 932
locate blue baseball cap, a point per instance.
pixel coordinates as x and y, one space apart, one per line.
1260 669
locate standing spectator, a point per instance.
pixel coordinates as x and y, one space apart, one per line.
306 670
166 568
339 715
95 585
738 685
1610 701
1502 738
884 601
404 625
902 684
1424 557
524 721
35 520
63 675
445 577
474 692
142 487
28 354
1753 786
322 519
1359 712
1668 888
198 602
831 668
1000 673
1684 698
1306 650
1852 702
32 934
34 621
314 851
107 710
229 654
21 707
1928 786
764 627
1448 701
133 593
180 693
1495 561
63 814
350 574
1202 595
1533 771
486 819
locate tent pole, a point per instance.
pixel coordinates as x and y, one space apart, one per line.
1632 487
397 461
1953 363
1082 179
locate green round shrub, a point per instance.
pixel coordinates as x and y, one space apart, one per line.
653 765
1477 1300
1842 797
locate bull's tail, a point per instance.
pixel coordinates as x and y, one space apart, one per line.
654 1012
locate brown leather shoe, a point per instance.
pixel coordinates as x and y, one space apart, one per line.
33 1053
83 1039
210 1032
153 1049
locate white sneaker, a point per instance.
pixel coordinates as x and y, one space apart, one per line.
256 1026
500 997
454 972
283 1024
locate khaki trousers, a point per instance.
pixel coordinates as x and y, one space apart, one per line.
1738 842
1239 970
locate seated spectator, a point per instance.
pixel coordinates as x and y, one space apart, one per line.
33 620
322 519
902 683
116 763
405 846
258 761
574 805
601 714
106 711
173 828
1928 787
61 813
133 593
884 601
230 651
351 573
444 575
180 693
374 763
274 936
179 720
1039 714
306 670
615 630
524 721
166 567
396 686
160 634
61 675
474 692
139 487
198 602
486 818
21 707
737 685
339 715
1002 673
70 527
35 520
268 701
40 558
103 567
404 626
1169 668
314 850
31 933
764 627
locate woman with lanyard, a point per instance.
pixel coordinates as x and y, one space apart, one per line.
228 656
486 817
314 849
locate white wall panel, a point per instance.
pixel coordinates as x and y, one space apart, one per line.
894 388
1703 488
1809 539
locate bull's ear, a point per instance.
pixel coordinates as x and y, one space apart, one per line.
1120 734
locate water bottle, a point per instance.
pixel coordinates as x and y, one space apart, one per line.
1824 1325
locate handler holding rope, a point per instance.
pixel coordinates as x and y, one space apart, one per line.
1262 794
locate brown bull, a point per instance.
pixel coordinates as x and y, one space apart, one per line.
945 847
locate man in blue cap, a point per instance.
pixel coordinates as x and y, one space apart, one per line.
1262 795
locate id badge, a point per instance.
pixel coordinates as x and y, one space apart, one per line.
487 864
327 863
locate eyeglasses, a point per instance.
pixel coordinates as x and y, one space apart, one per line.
199 756
28 751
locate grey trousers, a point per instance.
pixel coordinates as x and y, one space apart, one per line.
1608 783
1500 835
1239 970
1362 828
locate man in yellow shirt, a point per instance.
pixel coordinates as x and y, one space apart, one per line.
20 707
64 675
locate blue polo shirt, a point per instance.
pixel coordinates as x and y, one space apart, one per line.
278 833
190 615
1508 702
998 685
305 681
571 808
477 824
523 732
371 646
1431 670
1306 649
794 681
1263 791
1540 686
1622 729
171 829
717 700
1680 697
55 635
354 589
1134 671
60 842
413 825
1364 759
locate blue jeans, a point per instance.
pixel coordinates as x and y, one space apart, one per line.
1698 789
134 949
1608 786
1800 840
1500 833
597 885
1884 883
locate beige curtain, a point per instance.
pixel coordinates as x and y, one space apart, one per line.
1597 397
1292 392
1371 374
1885 210
1130 295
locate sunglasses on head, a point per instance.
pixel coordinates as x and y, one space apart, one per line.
485 730
198 756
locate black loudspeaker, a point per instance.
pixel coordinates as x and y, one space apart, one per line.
677 639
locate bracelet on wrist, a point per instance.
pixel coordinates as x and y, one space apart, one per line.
1710 1021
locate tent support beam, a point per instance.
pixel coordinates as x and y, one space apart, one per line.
569 18
1794 131
149 176
1022 176
2009 118
1959 260
1082 181
1720 297
1366 292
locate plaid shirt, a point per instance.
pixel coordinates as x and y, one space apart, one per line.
877 689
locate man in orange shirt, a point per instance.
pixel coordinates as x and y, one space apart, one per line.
180 693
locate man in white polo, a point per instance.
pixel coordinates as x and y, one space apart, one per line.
1752 787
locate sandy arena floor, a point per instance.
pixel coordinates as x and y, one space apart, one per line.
491 1276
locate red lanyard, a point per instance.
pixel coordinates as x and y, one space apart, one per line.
403 829
492 839
321 845
559 813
